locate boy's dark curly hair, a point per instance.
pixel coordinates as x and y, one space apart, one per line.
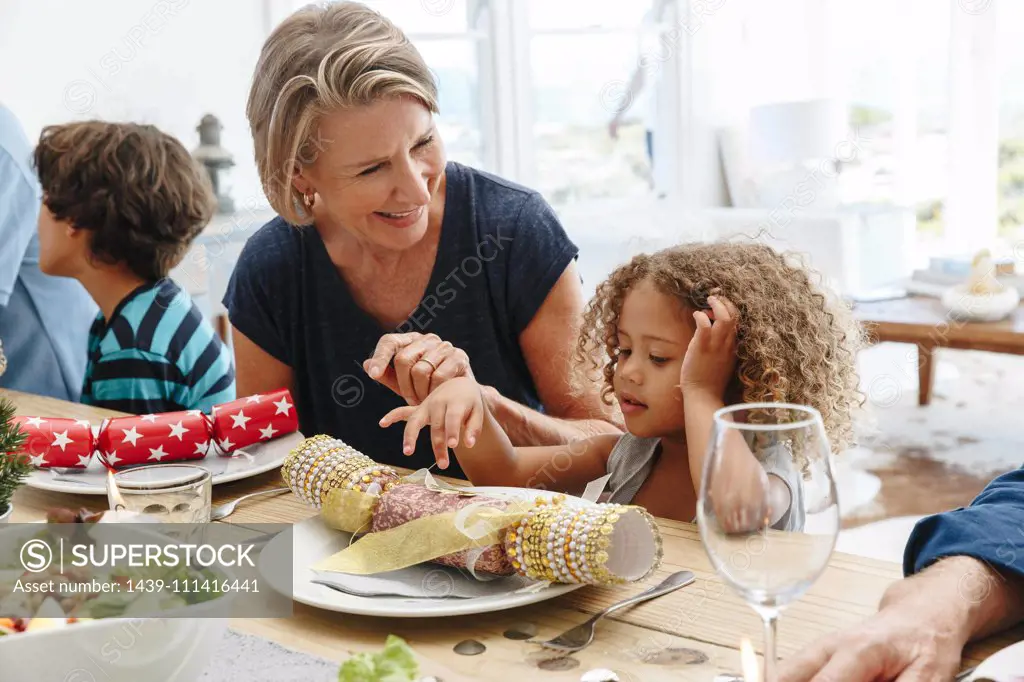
795 342
137 189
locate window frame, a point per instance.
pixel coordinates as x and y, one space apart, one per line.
506 105
505 86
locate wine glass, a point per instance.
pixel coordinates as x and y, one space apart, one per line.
768 514
172 493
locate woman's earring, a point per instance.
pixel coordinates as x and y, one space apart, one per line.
308 199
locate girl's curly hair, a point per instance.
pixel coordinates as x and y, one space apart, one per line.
796 342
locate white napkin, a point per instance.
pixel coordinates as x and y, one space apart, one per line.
426 581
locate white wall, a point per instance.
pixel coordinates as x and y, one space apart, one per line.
167 62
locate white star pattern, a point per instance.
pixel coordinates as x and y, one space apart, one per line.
35 421
226 445
253 399
240 420
83 422
282 406
268 432
62 440
194 413
202 447
83 460
37 460
178 431
151 418
131 435
157 453
112 458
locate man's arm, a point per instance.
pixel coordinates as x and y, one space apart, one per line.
18 215
986 548
974 599
966 581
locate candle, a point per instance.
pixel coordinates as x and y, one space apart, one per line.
113 494
748 661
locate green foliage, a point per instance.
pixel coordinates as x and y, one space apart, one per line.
14 468
396 663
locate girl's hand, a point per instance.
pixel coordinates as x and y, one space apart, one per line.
710 360
455 412
413 364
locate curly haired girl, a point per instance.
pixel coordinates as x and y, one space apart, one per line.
676 335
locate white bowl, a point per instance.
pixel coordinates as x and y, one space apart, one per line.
160 649
963 305
114 650
7 514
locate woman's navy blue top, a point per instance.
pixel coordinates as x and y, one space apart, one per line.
501 251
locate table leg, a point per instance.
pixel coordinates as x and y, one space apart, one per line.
925 373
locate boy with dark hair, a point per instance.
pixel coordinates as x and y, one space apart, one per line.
121 205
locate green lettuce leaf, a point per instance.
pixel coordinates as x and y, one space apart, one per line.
396 663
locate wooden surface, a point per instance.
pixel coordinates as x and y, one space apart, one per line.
924 320
692 634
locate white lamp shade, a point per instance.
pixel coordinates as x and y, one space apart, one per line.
792 132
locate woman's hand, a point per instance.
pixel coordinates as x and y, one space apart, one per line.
455 412
710 360
413 364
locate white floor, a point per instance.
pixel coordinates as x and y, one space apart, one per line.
883 540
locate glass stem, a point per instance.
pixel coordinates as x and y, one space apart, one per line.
771 619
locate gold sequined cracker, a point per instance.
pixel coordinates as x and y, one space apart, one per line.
320 464
564 543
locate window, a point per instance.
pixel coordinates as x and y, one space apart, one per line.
898 104
1011 119
596 74
529 89
452 36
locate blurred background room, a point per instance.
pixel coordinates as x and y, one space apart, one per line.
883 139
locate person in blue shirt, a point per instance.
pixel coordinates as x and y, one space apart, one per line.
121 205
964 580
44 320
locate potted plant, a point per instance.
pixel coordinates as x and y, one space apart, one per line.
14 465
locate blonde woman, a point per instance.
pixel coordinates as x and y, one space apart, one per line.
391 270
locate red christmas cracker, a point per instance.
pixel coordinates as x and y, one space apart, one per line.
154 438
255 419
57 442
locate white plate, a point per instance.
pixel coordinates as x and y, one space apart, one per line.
243 463
1005 665
312 541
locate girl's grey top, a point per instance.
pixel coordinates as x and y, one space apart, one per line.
633 458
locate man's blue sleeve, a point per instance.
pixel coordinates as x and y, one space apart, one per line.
19 209
991 530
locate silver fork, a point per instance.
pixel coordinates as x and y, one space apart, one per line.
225 510
582 635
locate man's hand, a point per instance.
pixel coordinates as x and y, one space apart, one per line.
898 643
918 634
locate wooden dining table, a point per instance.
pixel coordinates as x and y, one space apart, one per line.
692 634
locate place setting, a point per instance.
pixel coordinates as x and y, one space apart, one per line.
237 440
412 546
427 548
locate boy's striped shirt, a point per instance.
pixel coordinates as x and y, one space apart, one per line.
157 354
